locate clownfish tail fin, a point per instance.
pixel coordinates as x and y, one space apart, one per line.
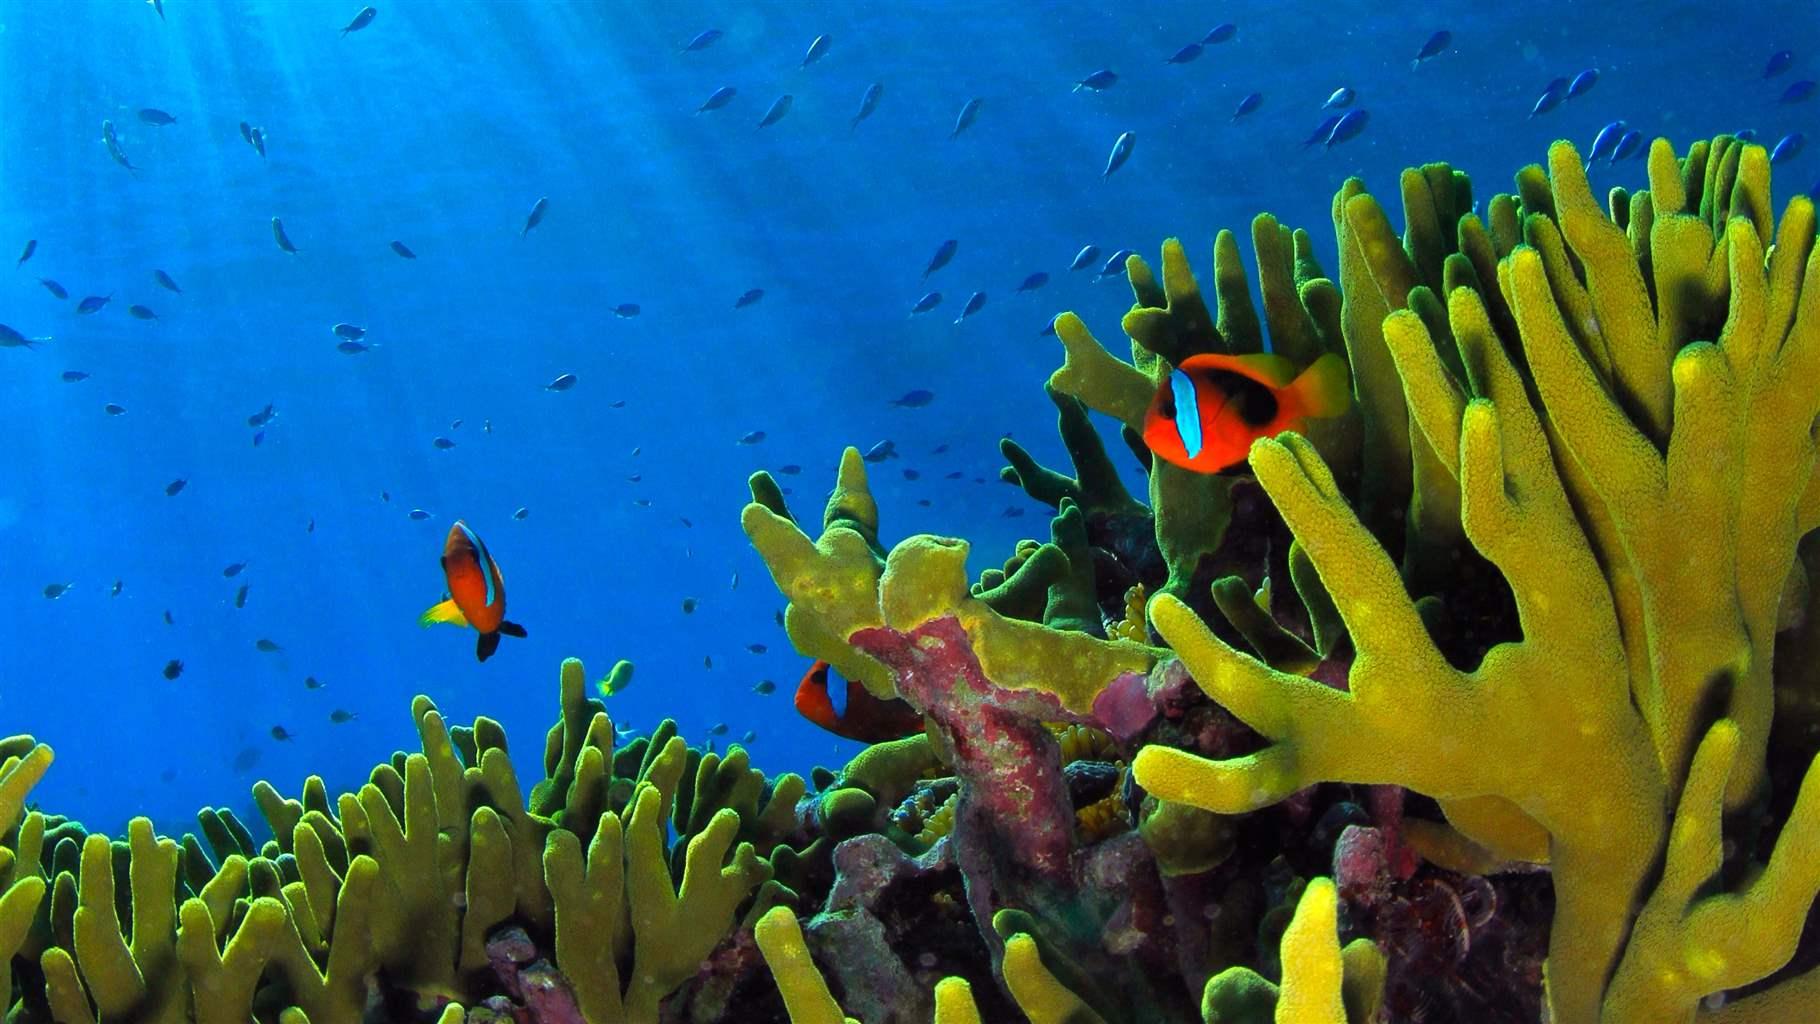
1325 388
512 629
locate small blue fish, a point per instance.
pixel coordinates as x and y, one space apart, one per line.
350 332
1778 62
1185 54
93 303
914 399
1348 127
1322 131
166 282
1632 142
1099 81
54 288
975 303
969 113
562 383
749 297
283 240
1553 94
31 246
1745 135
751 438
718 99
943 253
1582 83
535 217
779 107
1341 97
703 39
1247 105
1436 45
867 104
1114 265
352 348
1084 259
881 451
1605 143
1220 33
817 50
361 20
626 310
926 303
156 118
112 142
1121 152
403 250
1798 91
74 376
1787 148
1033 282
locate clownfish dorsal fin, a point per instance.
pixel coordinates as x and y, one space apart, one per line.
1324 389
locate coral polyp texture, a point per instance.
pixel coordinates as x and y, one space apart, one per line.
1493 698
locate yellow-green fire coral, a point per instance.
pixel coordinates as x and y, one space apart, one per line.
1633 442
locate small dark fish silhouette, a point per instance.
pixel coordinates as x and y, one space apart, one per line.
442 443
944 253
283 240
1121 152
168 620
114 409
312 683
1778 62
626 310
1099 81
749 297
911 474
1324 129
257 139
53 591
1221 33
1553 94
779 107
914 399
266 646
31 246
172 669
258 438
562 383
262 417
1084 259
718 99
11 338
765 687
867 104
1798 91
1185 54
164 281
352 348
157 5
138 312
246 132
234 570
1605 143
1630 143
281 734
340 717
817 49
1247 105
115 590
1348 127
349 331
1341 97
688 606
1582 82
93 303
521 514
1115 264
54 288
240 596
74 376
975 303
156 118
109 139
752 437
1033 282
791 469
535 216
403 250
719 729
969 113
361 20
1436 45
1788 148
175 487
703 39
926 303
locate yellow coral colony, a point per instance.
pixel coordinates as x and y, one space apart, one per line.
1638 463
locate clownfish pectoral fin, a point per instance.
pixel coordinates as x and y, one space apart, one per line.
512 629
1325 388
443 612
489 642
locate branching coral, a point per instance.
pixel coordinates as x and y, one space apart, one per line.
1641 490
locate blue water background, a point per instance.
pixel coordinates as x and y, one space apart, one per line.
439 125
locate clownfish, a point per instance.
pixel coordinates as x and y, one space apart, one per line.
477 593
860 715
1234 400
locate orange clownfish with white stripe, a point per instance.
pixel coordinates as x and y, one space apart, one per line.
1210 409
477 593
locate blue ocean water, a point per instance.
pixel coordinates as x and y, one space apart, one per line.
440 125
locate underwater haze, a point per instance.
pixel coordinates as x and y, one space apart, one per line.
215 420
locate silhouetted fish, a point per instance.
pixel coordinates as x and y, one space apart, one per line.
818 48
1033 282
1099 81
283 240
1084 259
1348 127
361 20
703 39
403 250
1436 45
535 216
926 303
1553 94
748 297
1582 82
1778 62
970 112
975 303
1250 103
561 383
1788 148
867 103
164 281
943 254
31 246
1341 97
1185 54
1220 33
1121 152
93 303
779 107
1798 91
1630 143
54 288
155 117
718 99
914 399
